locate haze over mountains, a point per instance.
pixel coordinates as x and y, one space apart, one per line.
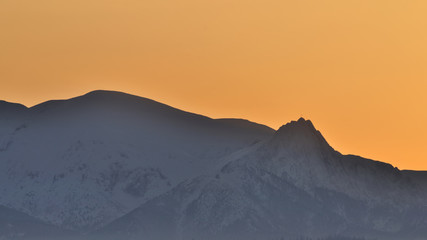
109 165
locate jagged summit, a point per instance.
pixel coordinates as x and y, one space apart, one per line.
300 125
301 132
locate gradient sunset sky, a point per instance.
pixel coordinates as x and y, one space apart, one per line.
356 68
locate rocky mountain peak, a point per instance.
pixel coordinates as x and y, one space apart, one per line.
302 135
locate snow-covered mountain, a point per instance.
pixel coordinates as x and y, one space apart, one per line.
292 185
116 166
83 162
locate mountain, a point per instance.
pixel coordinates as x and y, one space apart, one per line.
110 165
83 162
292 185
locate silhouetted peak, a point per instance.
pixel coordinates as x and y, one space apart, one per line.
105 93
301 125
301 132
108 95
94 99
123 101
301 119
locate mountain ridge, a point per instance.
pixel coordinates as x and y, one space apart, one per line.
233 195
110 156
112 163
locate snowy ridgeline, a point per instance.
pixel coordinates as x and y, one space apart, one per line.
108 165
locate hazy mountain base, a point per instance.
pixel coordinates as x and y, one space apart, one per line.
278 238
17 225
22 237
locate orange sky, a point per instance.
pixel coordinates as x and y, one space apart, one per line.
356 68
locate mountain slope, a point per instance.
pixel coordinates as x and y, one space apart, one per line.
291 185
17 225
83 162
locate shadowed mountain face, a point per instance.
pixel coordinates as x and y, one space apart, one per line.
7 108
116 166
292 185
81 163
17 225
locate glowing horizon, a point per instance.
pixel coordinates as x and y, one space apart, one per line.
357 69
